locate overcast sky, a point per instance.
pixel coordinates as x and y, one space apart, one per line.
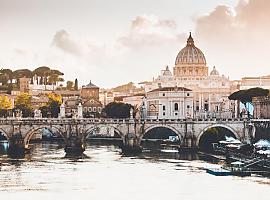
117 41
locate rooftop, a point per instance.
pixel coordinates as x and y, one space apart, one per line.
173 89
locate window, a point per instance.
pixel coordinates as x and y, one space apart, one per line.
188 94
197 108
176 106
206 107
163 107
90 109
175 113
163 94
99 109
164 114
94 109
188 106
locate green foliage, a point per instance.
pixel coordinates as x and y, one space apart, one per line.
23 103
52 108
44 111
245 96
117 110
6 75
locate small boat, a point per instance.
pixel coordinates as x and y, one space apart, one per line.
219 172
236 169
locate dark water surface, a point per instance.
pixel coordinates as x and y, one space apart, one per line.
103 173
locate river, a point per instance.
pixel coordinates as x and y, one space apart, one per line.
104 173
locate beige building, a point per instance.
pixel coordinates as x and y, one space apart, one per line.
24 84
210 91
250 82
168 103
261 107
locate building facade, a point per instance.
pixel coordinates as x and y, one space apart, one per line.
168 103
90 91
209 91
261 107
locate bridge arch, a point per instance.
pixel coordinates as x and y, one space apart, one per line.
162 126
216 126
31 132
95 127
4 133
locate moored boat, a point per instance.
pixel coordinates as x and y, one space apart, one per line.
236 169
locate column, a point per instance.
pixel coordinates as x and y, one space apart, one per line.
209 102
200 103
80 111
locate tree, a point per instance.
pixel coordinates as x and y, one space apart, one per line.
5 106
76 85
5 103
117 110
55 77
245 96
23 103
53 105
20 73
3 79
43 73
8 74
70 85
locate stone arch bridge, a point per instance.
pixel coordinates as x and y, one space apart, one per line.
75 131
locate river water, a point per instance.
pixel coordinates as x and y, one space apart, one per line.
104 173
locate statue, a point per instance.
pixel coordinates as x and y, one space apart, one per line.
37 113
131 113
80 111
62 111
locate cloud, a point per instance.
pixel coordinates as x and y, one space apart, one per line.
63 41
149 31
237 38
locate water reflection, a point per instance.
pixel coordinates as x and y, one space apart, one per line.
102 172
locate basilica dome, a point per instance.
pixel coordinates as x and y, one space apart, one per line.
214 72
190 54
190 62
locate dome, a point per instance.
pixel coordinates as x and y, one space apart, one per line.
190 54
214 72
166 72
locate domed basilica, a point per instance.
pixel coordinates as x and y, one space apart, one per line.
210 91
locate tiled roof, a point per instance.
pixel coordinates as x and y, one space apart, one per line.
90 85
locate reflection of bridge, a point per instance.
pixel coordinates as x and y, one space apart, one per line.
74 131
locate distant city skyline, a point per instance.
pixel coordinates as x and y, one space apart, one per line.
115 42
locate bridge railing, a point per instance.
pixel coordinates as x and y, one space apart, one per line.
118 121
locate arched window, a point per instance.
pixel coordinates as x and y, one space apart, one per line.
176 106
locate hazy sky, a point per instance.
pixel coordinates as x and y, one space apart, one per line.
118 41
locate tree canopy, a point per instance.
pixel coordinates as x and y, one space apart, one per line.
52 106
245 96
23 103
117 110
5 103
46 76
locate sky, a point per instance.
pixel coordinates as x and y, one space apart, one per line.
119 41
